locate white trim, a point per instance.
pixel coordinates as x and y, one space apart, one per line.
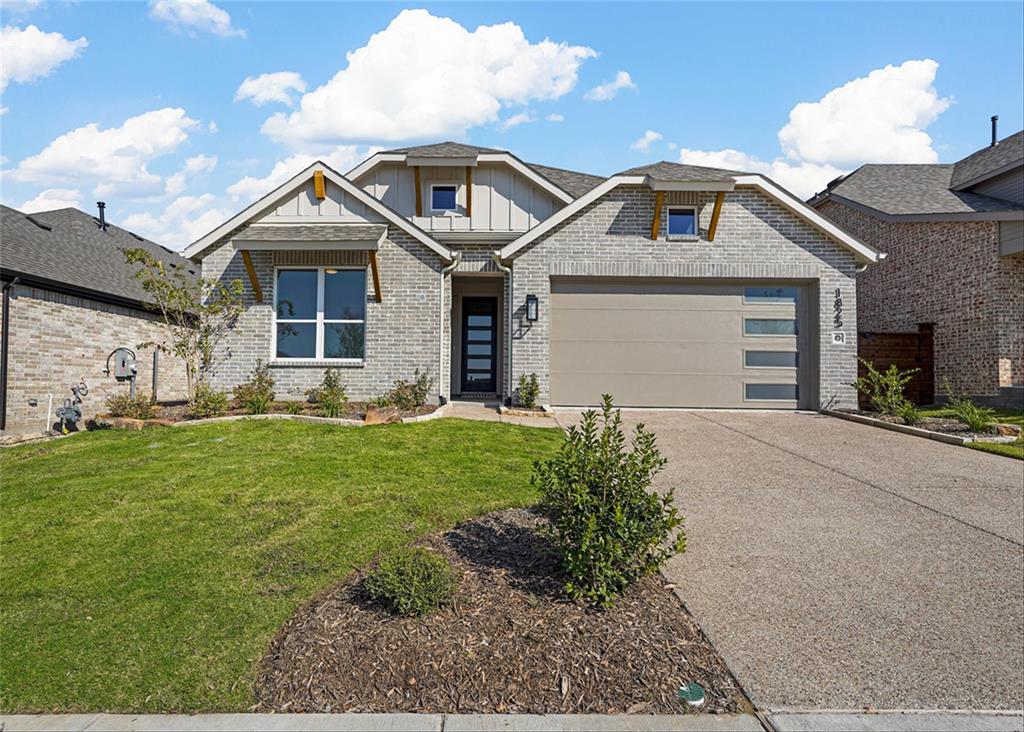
372 162
200 245
559 216
807 213
444 211
434 162
527 172
362 245
319 321
677 185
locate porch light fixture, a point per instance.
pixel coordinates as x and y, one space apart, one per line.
532 308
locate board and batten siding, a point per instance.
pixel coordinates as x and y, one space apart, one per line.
1008 186
503 200
304 207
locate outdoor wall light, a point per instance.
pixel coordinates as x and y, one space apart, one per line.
532 308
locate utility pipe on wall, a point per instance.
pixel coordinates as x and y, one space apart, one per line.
4 347
443 387
496 256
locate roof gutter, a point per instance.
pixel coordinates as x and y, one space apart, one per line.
444 387
496 257
5 338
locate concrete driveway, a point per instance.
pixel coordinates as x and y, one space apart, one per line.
839 566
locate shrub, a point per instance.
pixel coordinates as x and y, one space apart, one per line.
207 401
884 390
910 414
528 391
330 396
411 581
122 405
407 395
977 419
293 407
606 523
256 395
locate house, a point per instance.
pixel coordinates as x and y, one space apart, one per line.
666 285
955 239
70 300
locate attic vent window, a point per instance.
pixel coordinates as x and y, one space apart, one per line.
442 198
682 223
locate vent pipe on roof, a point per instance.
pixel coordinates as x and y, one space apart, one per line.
103 214
995 122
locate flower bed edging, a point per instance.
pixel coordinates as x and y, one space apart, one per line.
441 411
907 430
518 412
297 417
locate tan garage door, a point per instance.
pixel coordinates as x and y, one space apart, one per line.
663 343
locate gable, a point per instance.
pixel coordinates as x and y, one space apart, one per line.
302 206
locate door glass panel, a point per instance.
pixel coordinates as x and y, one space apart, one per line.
476 321
344 294
771 392
296 340
296 294
477 379
478 349
479 363
478 335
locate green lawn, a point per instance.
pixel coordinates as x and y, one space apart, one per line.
147 571
1009 416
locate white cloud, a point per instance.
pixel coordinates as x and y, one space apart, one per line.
555 117
518 119
644 143
194 166
183 221
275 87
425 76
342 158
607 91
30 53
53 198
190 16
879 118
115 159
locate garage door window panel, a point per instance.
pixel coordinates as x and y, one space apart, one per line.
770 327
771 359
771 295
770 392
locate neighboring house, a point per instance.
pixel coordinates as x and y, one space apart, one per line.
954 235
69 300
666 285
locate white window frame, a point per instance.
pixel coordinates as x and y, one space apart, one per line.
319 321
695 236
444 210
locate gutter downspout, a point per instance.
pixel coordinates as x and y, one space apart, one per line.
496 256
5 345
442 386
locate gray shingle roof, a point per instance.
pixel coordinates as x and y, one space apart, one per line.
986 160
574 183
70 249
446 149
905 189
667 171
314 232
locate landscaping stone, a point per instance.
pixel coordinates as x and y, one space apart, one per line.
1008 430
382 415
124 423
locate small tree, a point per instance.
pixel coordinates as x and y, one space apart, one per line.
198 312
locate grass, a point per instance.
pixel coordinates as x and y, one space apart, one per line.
148 571
1013 449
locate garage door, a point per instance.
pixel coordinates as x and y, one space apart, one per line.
662 343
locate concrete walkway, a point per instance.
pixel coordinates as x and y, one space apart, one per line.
489 412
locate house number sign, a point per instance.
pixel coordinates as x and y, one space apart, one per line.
837 309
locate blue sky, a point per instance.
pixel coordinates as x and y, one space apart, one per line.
173 148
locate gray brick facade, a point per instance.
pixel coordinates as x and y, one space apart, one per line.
756 239
56 340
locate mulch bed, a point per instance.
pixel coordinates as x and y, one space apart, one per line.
511 643
352 410
945 425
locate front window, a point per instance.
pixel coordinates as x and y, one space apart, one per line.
442 198
320 313
682 222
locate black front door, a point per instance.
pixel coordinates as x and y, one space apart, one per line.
479 344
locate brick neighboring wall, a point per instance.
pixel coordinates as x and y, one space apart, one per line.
756 239
56 340
950 274
402 331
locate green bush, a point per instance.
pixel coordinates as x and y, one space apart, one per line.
910 414
330 396
528 391
122 405
884 390
256 395
407 395
977 419
207 401
411 581
293 407
606 523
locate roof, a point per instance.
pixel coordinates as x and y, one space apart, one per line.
988 161
667 171
905 189
446 149
312 232
570 181
68 248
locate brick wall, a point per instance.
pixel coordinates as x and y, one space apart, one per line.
949 274
57 340
402 332
756 239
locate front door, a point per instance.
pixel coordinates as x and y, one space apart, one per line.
479 344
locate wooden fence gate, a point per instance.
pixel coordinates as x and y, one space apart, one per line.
907 351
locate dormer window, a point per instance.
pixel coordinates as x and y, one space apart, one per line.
442 198
682 222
